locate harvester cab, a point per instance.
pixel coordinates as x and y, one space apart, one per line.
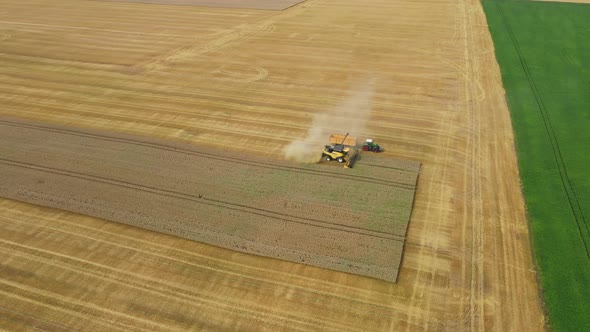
369 145
335 152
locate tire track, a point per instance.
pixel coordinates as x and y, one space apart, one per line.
504 252
25 320
444 144
237 35
11 290
476 296
242 161
462 69
442 162
208 201
158 34
163 112
255 282
195 268
162 249
155 287
212 93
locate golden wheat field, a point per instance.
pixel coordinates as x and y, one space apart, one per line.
254 81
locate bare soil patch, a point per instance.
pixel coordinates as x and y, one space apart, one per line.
251 4
347 220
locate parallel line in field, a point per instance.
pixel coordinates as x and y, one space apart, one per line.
71 305
209 93
253 281
138 109
441 172
24 320
255 133
53 304
225 133
217 97
195 116
137 281
79 41
209 201
154 34
419 143
164 252
183 150
183 53
234 36
56 66
186 257
137 21
477 296
129 52
78 54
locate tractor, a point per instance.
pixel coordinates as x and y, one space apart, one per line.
369 145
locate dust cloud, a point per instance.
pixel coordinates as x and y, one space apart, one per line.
350 116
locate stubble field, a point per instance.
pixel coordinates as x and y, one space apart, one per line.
254 81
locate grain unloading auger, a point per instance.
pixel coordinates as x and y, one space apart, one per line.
343 151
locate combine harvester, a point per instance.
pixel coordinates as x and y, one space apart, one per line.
343 149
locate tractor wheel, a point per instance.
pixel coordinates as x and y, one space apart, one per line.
340 159
328 158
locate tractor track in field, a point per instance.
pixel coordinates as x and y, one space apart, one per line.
88 267
134 280
28 320
207 201
235 36
243 161
163 252
572 198
32 294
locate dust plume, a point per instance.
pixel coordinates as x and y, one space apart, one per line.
350 116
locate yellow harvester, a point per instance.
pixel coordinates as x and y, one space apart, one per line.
342 148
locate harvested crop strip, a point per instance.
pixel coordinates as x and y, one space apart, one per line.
251 4
351 220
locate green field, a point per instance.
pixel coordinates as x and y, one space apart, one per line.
543 49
